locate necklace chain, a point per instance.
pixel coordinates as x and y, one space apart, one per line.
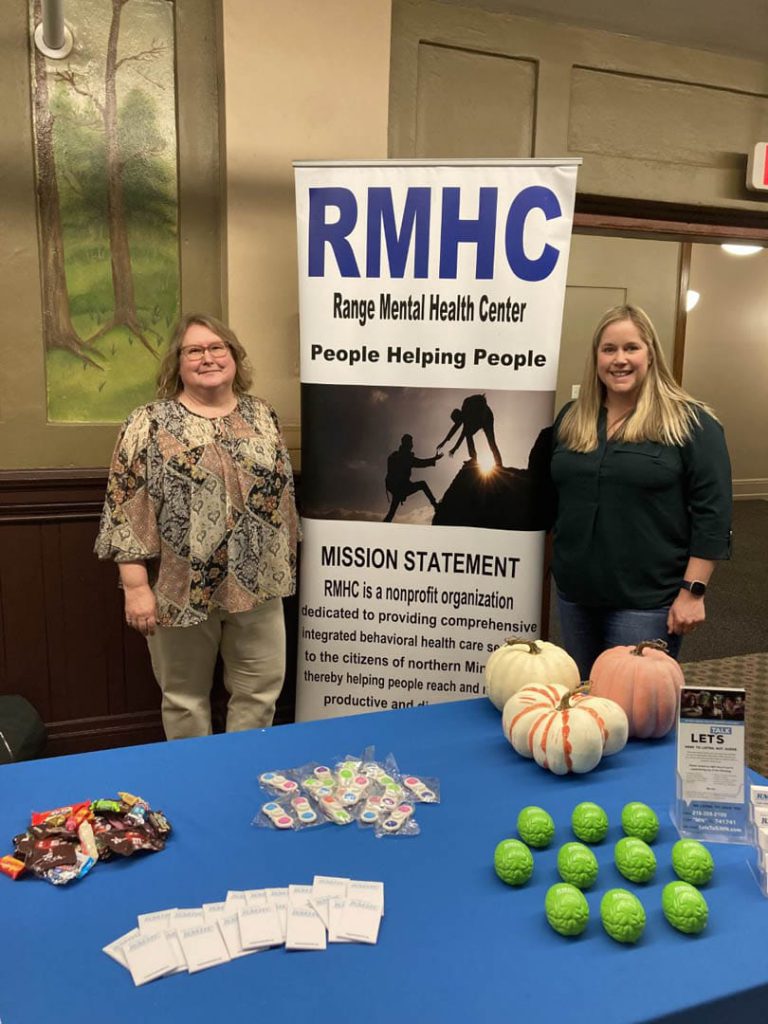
210 412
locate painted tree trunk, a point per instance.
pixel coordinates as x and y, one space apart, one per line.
58 330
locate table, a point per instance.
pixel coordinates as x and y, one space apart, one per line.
456 944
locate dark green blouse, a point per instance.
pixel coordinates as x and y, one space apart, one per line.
629 516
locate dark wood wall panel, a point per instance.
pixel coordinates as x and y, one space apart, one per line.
25 629
63 641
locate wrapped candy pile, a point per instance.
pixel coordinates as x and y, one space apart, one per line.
65 843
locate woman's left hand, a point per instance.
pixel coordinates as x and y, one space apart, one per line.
685 614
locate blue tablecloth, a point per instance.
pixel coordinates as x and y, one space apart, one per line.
456 944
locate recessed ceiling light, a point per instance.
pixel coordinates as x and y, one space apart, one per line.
691 299
742 250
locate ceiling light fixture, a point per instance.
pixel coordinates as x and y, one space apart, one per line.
691 299
741 250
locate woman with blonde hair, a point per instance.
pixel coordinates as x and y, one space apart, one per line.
643 483
200 517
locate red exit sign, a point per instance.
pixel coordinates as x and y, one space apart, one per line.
757 168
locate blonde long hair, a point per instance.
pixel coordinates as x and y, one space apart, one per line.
664 412
168 378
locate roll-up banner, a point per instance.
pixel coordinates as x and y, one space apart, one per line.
431 300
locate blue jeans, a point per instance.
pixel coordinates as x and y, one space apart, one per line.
587 632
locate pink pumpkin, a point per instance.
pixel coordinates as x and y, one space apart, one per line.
645 681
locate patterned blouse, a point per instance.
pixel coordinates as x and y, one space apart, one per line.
207 504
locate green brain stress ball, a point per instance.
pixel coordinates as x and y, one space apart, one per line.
577 864
589 822
640 821
513 862
635 859
692 862
622 915
566 909
535 827
684 907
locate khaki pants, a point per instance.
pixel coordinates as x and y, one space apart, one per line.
252 646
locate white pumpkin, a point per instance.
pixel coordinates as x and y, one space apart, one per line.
562 732
519 663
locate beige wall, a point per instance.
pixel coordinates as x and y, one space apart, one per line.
726 356
303 80
652 121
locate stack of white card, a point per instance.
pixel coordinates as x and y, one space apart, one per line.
250 921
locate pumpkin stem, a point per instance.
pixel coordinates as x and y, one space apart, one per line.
584 687
565 702
654 645
532 645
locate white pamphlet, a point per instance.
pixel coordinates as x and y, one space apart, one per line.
259 926
305 929
336 907
361 920
323 888
372 891
149 957
115 949
158 921
278 897
203 946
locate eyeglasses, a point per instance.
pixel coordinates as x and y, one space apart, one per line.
194 353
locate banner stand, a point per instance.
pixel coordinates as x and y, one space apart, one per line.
431 301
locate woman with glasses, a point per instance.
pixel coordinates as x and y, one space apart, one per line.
201 520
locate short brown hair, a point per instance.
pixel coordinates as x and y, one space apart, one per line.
168 378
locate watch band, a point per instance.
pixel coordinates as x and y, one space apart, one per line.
696 587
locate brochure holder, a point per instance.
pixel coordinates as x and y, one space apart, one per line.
758 816
712 793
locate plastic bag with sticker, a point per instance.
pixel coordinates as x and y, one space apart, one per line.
422 789
385 793
289 813
399 822
279 783
320 783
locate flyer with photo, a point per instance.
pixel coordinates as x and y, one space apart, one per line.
711 768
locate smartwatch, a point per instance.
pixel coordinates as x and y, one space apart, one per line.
696 587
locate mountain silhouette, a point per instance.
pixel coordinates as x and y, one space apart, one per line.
503 498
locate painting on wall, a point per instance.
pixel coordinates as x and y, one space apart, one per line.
107 196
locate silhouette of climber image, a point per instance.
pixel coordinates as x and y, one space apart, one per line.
475 414
398 483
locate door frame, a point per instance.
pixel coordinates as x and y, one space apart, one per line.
639 218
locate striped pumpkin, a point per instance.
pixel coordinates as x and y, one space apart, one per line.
562 733
612 716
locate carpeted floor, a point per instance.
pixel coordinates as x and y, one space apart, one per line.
737 598
751 672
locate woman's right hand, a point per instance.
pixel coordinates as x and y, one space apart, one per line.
140 608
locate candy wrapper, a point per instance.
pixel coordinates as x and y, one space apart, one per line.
63 844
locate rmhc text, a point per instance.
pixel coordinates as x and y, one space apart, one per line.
429 218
